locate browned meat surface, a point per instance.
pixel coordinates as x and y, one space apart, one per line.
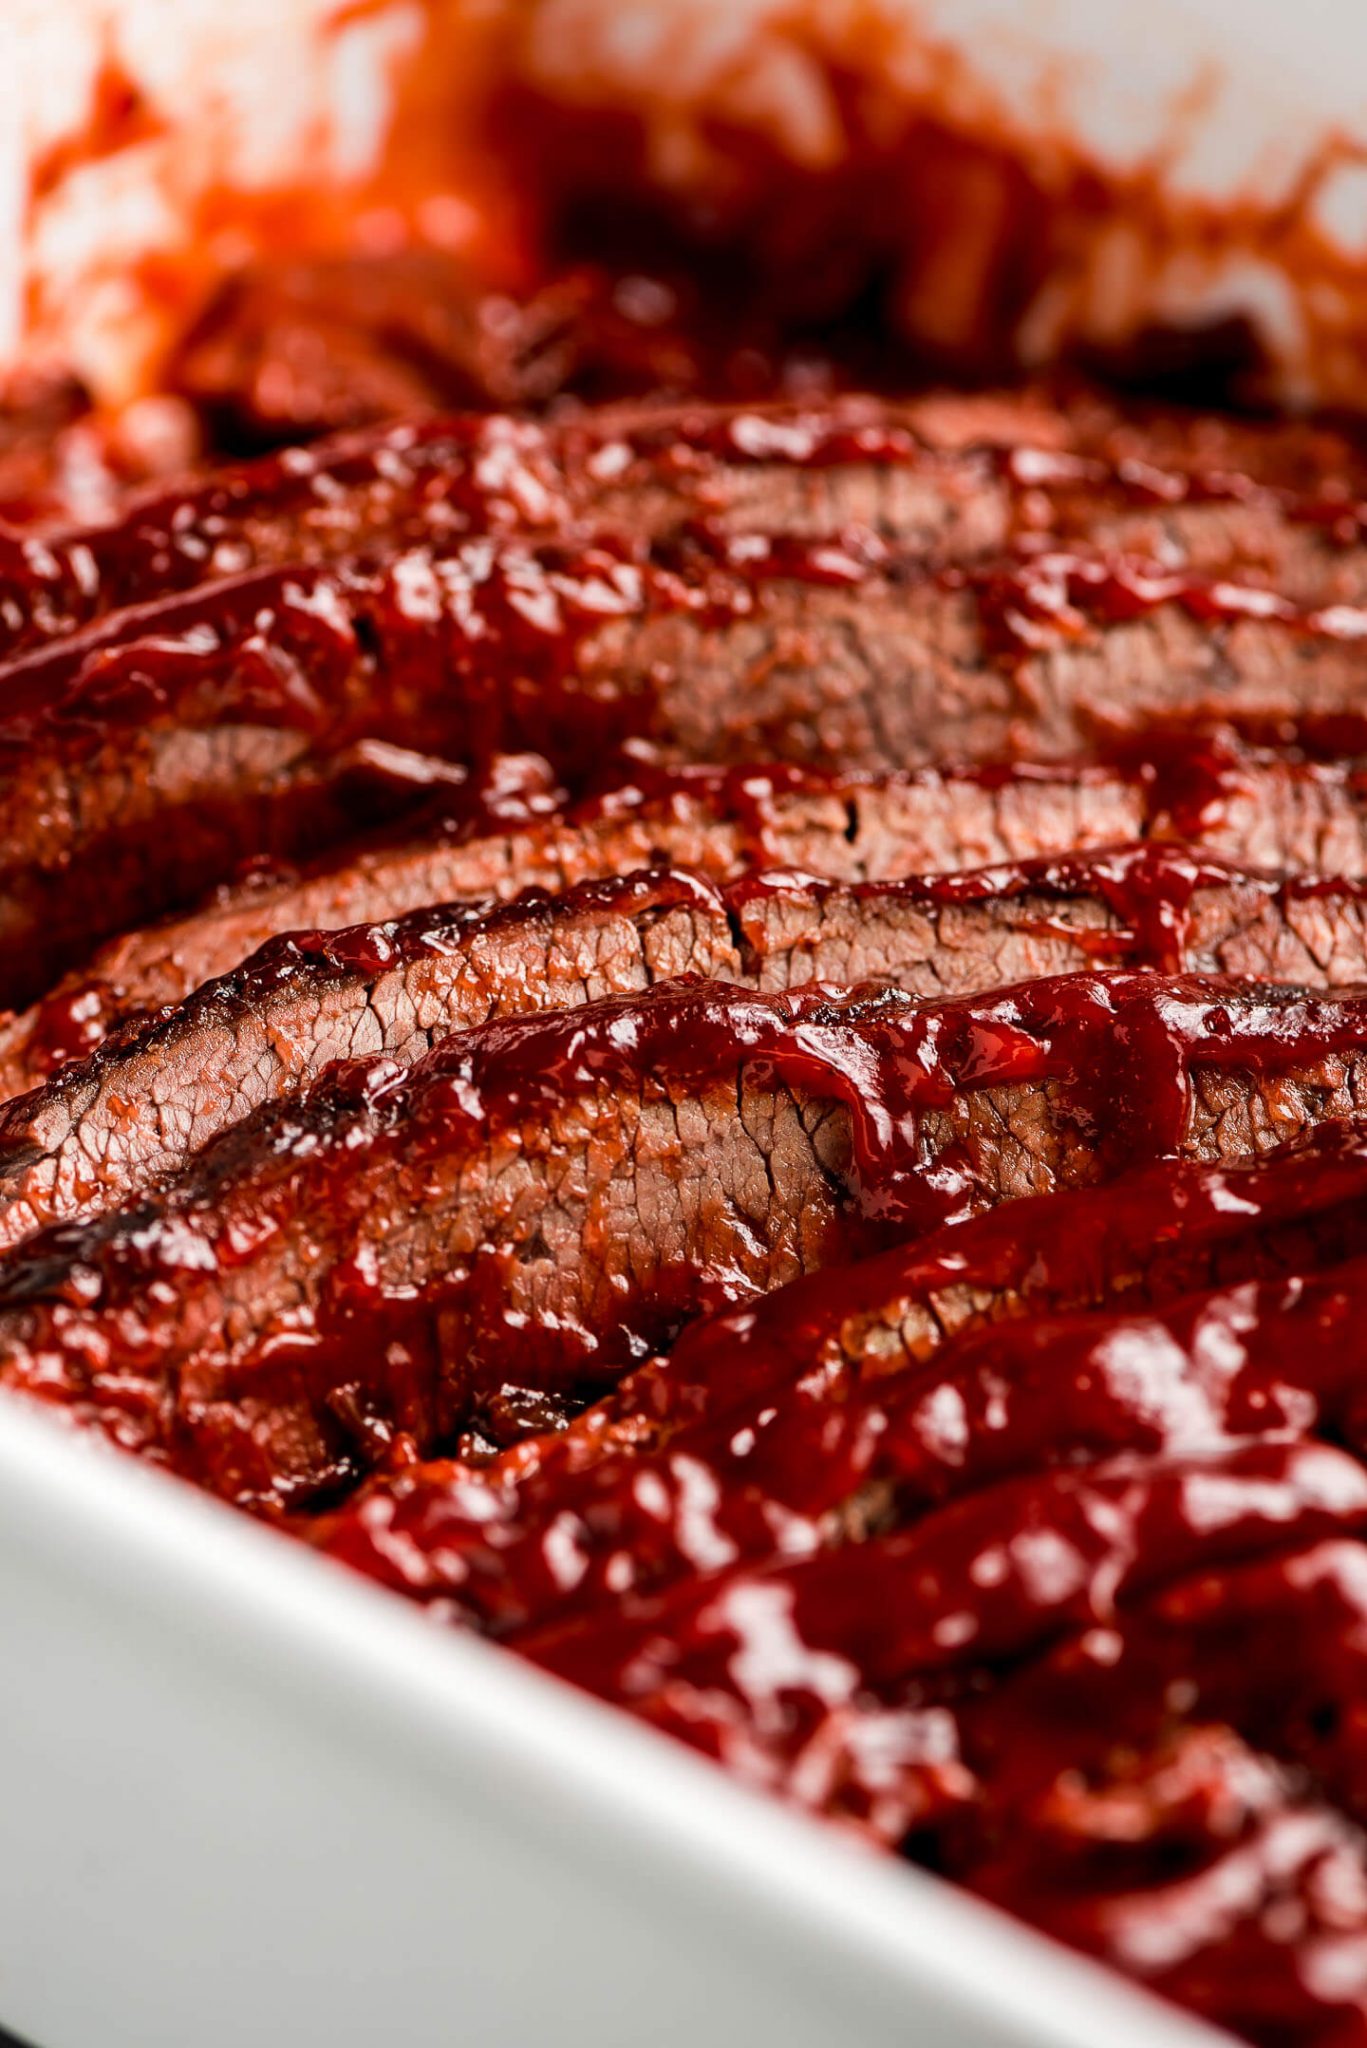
540 1198
859 584
717 824
75 1146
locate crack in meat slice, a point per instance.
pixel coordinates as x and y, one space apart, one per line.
131 1113
542 1199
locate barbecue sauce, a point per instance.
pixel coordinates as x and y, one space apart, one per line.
1033 1545
1040 1604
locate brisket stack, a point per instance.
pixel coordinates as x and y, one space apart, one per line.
731 1045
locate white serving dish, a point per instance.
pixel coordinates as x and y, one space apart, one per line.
245 1798
248 1798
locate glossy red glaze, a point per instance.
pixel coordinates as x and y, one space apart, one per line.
1049 597
1041 1595
1034 1545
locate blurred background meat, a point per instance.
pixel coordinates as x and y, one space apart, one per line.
1177 193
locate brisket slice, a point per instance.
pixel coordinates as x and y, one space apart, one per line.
839 1456
964 1588
1277 812
716 823
807 652
950 477
195 720
1247 1863
541 1200
132 1112
1297 1702
937 1361
853 462
879 671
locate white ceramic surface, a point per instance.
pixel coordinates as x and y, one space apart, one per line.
245 1798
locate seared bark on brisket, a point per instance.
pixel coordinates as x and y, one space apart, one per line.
716 823
953 476
540 1199
132 1112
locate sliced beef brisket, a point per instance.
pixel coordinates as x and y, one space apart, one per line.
133 1111
1278 812
818 1460
232 701
873 1617
955 477
648 468
715 822
836 1217
539 1199
1002 1343
822 586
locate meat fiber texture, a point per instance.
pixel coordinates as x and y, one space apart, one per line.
864 586
675 1028
69 1148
